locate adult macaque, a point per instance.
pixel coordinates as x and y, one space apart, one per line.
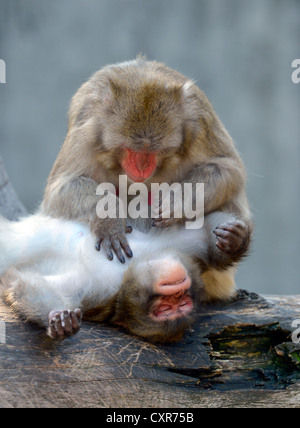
151 123
54 276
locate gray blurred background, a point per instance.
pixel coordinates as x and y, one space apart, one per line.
239 52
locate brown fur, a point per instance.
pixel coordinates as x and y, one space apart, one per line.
142 104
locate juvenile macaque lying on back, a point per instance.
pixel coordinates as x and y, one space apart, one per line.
54 276
151 123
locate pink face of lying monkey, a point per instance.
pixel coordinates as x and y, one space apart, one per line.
172 285
156 298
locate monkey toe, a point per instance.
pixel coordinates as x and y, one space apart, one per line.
63 324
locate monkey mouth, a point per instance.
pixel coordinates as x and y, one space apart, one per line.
180 305
141 175
138 165
136 179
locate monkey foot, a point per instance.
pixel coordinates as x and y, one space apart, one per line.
173 286
64 324
233 238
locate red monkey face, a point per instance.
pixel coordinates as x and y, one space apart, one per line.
139 165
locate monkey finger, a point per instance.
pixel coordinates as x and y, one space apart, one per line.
161 223
76 318
155 209
238 223
222 245
98 244
223 233
52 330
67 322
117 249
162 216
237 229
233 230
126 248
78 315
160 210
106 245
58 325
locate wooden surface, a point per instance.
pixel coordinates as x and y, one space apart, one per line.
237 355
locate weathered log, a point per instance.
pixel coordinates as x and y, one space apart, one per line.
238 354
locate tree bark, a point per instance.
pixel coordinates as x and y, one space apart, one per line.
238 354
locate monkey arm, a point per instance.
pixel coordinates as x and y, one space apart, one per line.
224 189
71 190
71 198
75 198
223 179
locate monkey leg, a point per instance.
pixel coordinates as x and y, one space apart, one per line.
229 239
40 300
219 284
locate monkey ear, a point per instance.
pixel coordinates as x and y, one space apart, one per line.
187 89
111 90
89 100
190 102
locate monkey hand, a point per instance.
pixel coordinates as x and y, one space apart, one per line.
166 212
162 222
233 238
111 237
63 324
